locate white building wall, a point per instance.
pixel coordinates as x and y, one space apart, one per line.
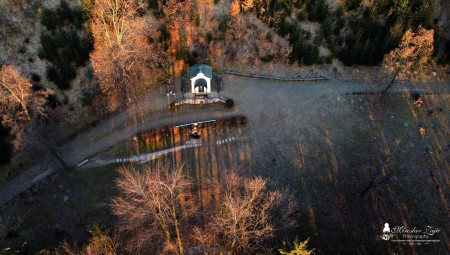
200 76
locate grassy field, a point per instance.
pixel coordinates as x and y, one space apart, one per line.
326 146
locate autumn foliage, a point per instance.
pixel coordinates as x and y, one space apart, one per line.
122 58
18 103
414 52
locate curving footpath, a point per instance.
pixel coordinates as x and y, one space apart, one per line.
145 157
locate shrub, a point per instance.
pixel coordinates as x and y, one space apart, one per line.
351 4
164 34
52 73
89 73
86 97
37 87
53 101
140 11
61 75
197 19
150 40
209 37
229 103
310 54
223 22
35 77
22 49
302 15
159 13
267 58
327 28
285 28
153 4
49 19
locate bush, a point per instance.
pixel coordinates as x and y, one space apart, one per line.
197 19
223 23
35 77
164 34
22 50
52 73
285 28
159 14
61 75
53 101
302 15
89 73
37 87
310 54
153 4
86 97
267 58
49 19
229 103
140 11
209 37
351 4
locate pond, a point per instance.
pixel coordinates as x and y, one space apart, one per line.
202 164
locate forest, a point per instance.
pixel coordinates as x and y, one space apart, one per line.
116 44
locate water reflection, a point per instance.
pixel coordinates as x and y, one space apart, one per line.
221 149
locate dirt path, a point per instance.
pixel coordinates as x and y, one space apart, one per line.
154 113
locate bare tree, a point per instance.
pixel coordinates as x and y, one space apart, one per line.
159 204
122 58
248 215
18 103
154 204
414 52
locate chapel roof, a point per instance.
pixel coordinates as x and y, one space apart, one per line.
200 68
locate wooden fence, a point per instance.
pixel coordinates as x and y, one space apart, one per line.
262 76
